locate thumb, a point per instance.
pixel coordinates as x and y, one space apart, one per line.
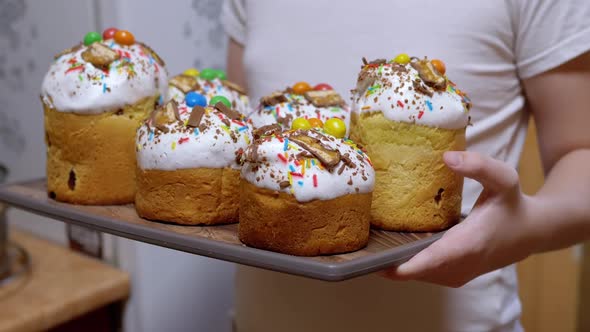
496 176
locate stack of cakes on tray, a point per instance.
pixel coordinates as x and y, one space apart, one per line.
189 151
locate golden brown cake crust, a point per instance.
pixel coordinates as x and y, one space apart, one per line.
277 221
414 189
91 158
198 196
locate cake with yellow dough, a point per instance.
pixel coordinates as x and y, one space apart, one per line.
188 162
305 192
209 82
317 103
406 114
95 96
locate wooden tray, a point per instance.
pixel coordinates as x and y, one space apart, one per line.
384 249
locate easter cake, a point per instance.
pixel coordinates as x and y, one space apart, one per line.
188 169
305 192
407 113
300 101
209 83
95 95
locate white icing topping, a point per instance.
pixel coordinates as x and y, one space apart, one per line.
213 145
214 88
74 85
389 88
276 161
296 106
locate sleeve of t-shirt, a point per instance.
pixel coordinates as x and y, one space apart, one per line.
233 19
549 33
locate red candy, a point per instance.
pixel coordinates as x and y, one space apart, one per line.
109 33
322 87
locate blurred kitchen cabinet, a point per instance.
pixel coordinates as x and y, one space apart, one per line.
549 283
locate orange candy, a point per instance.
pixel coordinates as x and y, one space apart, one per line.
124 37
301 87
315 122
439 66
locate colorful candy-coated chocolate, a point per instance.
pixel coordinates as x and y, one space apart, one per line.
301 87
193 99
218 99
109 33
220 74
92 37
439 66
315 122
191 72
208 74
124 37
323 87
300 123
335 127
402 59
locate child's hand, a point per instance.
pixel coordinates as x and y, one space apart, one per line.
497 232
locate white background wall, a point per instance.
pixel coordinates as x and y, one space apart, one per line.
171 291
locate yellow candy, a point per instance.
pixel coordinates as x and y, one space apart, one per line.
402 59
300 123
335 127
191 72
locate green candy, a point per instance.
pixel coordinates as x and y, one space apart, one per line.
220 74
92 37
208 74
221 99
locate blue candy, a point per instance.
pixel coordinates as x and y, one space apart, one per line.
193 99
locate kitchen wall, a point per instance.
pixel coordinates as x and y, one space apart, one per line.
171 291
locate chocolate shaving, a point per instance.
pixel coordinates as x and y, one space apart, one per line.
154 55
378 62
185 83
341 169
194 120
284 184
324 98
233 86
151 120
226 122
234 115
285 121
429 74
162 128
347 161
68 51
365 62
273 99
329 158
164 115
239 154
272 129
303 155
172 106
419 87
99 55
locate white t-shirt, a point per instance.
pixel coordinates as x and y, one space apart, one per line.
488 46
